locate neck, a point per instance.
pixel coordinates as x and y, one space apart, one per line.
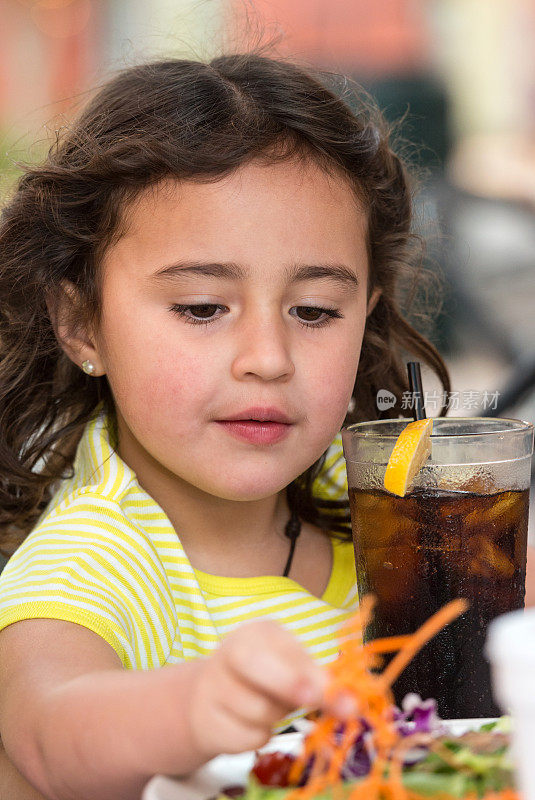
225 537
222 537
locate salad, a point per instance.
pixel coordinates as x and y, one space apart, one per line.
386 753
475 764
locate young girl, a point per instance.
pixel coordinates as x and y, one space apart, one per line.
187 285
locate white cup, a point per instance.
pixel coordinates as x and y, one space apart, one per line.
510 649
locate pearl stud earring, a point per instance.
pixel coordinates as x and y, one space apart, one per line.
88 367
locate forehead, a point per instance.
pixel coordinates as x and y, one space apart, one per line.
260 214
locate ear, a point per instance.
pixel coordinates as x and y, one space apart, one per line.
372 302
65 309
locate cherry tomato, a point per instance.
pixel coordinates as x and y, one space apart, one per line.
272 769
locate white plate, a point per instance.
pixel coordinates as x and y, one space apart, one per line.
223 771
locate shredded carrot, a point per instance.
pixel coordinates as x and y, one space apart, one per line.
389 644
329 743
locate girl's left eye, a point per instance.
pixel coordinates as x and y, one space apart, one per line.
203 314
316 317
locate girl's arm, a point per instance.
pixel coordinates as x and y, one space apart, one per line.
63 719
79 726
12 785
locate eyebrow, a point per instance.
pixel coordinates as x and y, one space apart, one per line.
337 273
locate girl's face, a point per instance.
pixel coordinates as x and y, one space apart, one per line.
241 297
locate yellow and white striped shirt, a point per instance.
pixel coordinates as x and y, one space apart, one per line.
105 555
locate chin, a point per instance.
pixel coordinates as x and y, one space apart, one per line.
248 491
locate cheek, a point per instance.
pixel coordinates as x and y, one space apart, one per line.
336 383
334 370
169 388
153 378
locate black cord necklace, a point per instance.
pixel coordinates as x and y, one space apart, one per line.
292 531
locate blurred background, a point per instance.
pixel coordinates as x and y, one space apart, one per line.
460 74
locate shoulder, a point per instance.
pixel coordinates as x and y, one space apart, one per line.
86 562
84 528
102 498
343 584
331 482
90 511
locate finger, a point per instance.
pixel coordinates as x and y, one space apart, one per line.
229 734
343 706
272 660
247 703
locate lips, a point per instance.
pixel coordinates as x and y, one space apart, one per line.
259 414
258 425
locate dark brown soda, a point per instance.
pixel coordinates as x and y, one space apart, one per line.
415 553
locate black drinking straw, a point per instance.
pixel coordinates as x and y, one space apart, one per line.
415 386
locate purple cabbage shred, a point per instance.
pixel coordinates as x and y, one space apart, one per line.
415 716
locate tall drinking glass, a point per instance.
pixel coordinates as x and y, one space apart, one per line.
460 531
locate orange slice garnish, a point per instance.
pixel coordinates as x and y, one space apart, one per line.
410 452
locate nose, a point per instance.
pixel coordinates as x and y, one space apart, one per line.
263 347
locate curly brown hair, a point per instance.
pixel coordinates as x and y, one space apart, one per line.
188 120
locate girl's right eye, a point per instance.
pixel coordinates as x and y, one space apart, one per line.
204 312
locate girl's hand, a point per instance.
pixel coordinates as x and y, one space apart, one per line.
259 674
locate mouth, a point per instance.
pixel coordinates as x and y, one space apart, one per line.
259 426
257 414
